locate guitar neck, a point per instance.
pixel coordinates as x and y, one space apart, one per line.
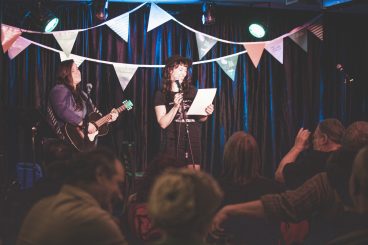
106 118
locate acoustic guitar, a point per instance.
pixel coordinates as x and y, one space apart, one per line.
75 134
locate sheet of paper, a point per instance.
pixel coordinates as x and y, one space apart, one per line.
203 99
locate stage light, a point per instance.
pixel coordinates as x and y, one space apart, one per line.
40 18
257 30
208 13
101 9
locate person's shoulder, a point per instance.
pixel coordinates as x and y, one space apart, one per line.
59 88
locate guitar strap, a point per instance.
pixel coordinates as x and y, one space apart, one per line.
53 122
89 103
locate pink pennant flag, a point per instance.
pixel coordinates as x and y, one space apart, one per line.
8 36
317 30
276 49
255 51
300 38
18 46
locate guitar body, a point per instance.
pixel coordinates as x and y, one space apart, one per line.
75 135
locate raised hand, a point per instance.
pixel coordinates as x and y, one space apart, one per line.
302 139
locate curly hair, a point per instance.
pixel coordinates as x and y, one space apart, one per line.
64 76
172 63
183 202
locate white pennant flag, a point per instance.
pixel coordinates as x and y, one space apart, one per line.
18 46
8 36
300 38
276 49
204 44
125 73
229 65
120 25
66 40
157 17
78 60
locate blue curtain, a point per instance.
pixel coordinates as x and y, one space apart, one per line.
271 102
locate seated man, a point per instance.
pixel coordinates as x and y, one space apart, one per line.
318 195
300 163
79 213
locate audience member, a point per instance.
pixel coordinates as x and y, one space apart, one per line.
79 213
139 224
302 163
182 204
316 196
359 193
241 181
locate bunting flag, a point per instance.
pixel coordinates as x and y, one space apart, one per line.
204 44
78 60
120 25
8 36
255 51
229 65
317 30
157 17
18 46
125 72
276 49
66 40
300 38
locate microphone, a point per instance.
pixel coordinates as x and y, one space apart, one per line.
89 87
346 76
179 85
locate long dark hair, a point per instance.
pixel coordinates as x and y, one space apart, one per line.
241 158
171 64
64 76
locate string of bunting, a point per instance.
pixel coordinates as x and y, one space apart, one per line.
14 43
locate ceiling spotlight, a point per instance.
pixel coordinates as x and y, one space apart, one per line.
208 13
40 18
257 30
101 9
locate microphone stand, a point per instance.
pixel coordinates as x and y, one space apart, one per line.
186 131
85 120
34 132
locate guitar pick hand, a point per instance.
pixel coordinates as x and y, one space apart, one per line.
91 128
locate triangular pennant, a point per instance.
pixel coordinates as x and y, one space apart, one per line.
300 38
125 73
78 60
157 17
204 44
120 25
255 51
317 30
229 65
276 49
66 40
18 46
8 36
